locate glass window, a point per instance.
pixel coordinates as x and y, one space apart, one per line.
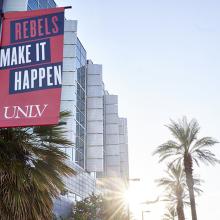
83 60
78 43
78 74
33 4
78 65
83 51
82 133
43 3
69 152
78 54
82 119
79 158
52 4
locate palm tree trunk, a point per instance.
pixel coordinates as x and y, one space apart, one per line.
179 209
190 184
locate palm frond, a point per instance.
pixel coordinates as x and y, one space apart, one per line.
206 156
204 142
32 168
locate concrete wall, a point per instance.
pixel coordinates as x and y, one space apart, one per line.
68 95
15 5
95 117
111 136
124 159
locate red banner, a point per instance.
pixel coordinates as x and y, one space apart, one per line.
31 56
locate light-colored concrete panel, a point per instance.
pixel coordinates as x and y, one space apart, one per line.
95 152
122 139
12 5
69 64
95 114
70 26
110 109
68 106
69 78
123 148
113 150
71 125
94 69
123 157
94 127
94 139
112 129
70 38
94 91
112 139
68 93
113 160
113 171
94 102
111 118
94 80
69 51
95 165
71 136
111 99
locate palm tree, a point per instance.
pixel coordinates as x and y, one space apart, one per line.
170 214
32 168
188 148
174 184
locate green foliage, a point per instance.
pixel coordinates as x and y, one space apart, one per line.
187 149
187 143
170 214
31 171
95 207
88 209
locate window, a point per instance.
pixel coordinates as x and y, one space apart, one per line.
52 4
33 4
43 4
37 4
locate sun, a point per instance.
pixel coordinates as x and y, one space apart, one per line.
133 197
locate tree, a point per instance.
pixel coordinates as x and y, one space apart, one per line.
190 150
170 214
104 207
32 168
174 184
89 208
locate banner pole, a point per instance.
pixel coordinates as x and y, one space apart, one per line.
1 20
68 7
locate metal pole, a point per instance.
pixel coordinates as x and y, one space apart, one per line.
1 20
68 7
1 11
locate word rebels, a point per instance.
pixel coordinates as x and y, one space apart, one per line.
36 27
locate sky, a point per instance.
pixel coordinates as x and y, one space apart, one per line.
162 59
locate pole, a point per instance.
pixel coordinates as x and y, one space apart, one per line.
67 7
1 20
1 11
143 214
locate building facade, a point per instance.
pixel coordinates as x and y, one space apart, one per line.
98 134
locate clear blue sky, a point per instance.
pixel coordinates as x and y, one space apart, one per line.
163 60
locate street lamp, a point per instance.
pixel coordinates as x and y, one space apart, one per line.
148 202
133 180
143 214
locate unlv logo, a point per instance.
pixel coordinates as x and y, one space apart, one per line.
28 111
